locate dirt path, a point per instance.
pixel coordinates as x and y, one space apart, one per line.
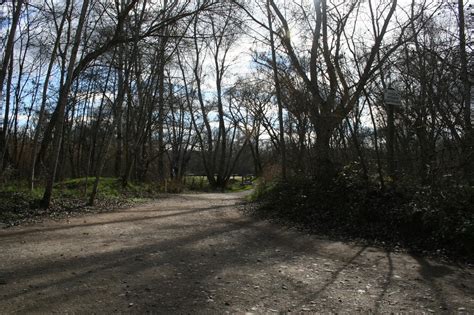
190 253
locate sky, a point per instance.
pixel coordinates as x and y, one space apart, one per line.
241 54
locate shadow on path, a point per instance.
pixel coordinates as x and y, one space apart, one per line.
131 218
203 259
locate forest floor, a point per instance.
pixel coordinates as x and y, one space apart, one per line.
193 253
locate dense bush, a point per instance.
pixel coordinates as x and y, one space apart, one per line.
422 218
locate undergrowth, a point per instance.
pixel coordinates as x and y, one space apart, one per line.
418 218
19 204
201 184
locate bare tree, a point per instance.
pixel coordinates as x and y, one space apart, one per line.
334 91
468 147
7 67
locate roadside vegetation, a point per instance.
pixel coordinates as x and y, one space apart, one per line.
19 204
435 220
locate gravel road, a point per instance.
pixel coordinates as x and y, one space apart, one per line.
194 253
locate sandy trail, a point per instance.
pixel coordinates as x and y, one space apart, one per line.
199 253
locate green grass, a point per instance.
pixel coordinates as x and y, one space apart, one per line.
235 185
262 188
196 183
109 187
200 183
18 203
22 187
79 187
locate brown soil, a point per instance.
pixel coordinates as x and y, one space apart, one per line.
200 253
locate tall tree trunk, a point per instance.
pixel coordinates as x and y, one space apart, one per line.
102 156
392 168
276 79
358 148
161 100
5 68
8 52
161 113
4 153
62 101
325 169
118 114
468 143
376 142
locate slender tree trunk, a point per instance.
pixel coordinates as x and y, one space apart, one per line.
8 52
24 137
67 15
358 148
468 143
4 152
392 168
19 89
161 113
118 116
376 143
102 159
62 101
7 66
276 79
161 100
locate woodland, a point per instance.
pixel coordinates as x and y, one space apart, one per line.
352 117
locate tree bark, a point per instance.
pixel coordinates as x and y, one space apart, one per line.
276 79
468 143
62 101
325 169
8 52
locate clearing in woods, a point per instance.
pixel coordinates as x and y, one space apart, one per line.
199 252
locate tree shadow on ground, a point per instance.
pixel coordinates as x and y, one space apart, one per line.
430 273
187 271
125 220
211 266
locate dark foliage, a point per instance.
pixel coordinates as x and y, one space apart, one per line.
418 218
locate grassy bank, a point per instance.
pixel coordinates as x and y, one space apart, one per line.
18 204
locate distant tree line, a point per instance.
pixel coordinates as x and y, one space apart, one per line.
145 90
